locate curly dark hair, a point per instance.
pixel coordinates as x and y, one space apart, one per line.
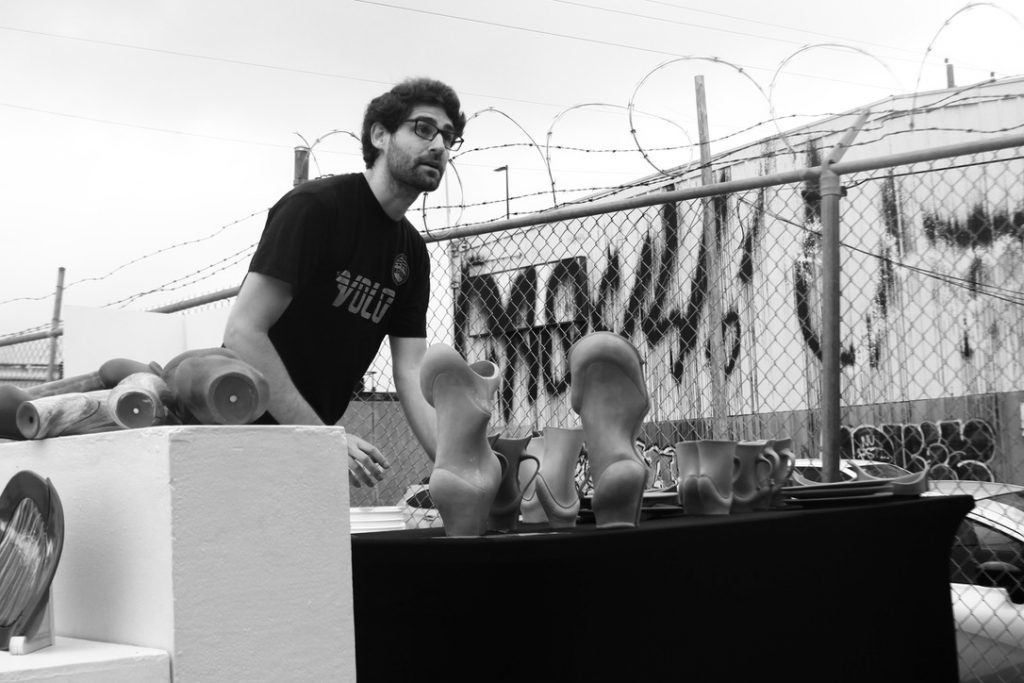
393 107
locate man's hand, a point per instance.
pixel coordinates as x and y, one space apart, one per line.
365 462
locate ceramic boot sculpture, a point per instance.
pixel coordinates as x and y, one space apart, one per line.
556 482
609 393
504 514
530 509
467 473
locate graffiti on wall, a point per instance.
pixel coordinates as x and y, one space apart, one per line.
652 286
948 449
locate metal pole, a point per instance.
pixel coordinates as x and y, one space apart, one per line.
508 214
831 311
718 402
301 165
51 368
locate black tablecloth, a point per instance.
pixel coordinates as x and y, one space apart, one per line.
853 593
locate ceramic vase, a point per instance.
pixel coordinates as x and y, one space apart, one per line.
755 464
504 514
609 394
556 482
467 473
32 518
530 509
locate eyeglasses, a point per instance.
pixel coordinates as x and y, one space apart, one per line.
428 131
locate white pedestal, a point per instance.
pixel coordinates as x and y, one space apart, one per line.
228 547
87 661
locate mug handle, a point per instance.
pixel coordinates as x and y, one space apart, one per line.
773 460
536 471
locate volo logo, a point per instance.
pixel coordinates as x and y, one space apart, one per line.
364 297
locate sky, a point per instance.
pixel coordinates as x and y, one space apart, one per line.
142 141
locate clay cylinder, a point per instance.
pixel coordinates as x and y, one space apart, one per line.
11 398
218 389
65 414
140 400
108 375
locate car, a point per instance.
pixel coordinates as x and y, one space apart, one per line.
810 469
987 580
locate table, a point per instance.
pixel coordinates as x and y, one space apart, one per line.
857 592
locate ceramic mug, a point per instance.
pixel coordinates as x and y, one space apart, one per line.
711 492
687 467
755 465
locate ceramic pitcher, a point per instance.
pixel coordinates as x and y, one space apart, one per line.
504 514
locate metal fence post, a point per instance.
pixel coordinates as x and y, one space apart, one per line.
831 269
830 313
51 368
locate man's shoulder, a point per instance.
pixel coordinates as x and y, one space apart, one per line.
330 186
323 189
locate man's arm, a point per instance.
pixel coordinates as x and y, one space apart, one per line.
406 359
260 302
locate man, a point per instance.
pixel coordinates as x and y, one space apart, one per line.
339 267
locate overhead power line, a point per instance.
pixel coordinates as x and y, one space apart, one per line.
242 62
595 41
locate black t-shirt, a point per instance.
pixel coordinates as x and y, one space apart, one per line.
356 276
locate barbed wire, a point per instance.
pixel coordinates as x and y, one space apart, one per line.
761 150
140 259
191 278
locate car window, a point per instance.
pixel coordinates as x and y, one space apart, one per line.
883 470
995 545
976 543
963 558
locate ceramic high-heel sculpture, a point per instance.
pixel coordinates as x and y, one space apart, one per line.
609 394
755 463
467 473
556 481
504 514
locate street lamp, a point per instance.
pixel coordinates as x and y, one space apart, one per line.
508 214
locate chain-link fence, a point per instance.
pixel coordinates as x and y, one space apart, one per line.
31 357
722 288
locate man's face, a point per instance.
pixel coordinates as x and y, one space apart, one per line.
412 160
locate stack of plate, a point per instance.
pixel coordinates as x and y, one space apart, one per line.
384 518
839 493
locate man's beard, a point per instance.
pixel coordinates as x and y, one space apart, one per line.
407 170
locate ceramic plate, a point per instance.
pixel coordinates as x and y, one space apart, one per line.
882 487
841 486
839 500
660 496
